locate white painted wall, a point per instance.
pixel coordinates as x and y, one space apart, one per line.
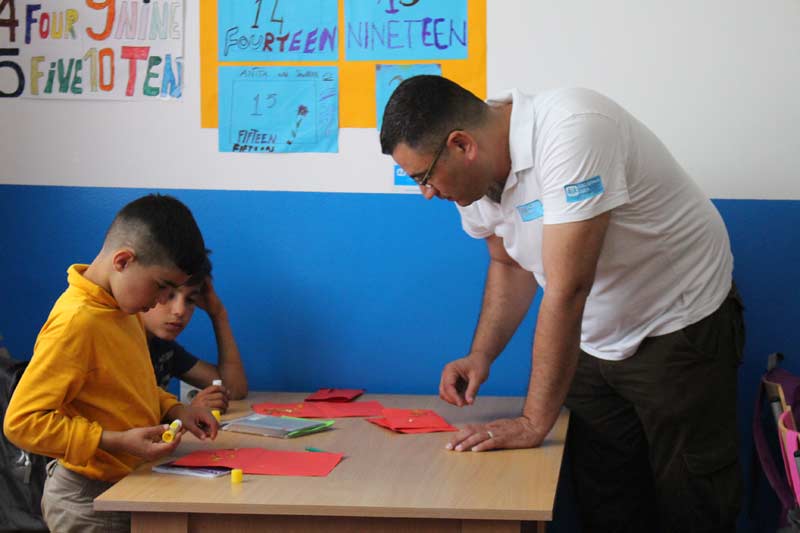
717 80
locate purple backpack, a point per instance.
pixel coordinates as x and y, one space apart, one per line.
781 389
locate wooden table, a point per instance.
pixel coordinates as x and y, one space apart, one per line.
386 482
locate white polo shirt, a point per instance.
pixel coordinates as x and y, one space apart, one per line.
666 261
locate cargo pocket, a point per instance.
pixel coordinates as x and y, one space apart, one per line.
714 485
738 333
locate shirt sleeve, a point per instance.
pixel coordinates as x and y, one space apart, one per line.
166 401
582 168
34 420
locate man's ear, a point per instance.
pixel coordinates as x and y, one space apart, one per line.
122 259
466 142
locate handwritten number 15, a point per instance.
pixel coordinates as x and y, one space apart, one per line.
269 101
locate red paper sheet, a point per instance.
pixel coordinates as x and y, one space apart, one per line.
265 462
384 423
335 395
412 421
299 410
320 409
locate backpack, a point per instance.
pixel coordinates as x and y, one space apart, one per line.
22 474
780 390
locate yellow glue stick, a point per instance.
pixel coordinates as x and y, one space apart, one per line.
217 414
236 476
173 430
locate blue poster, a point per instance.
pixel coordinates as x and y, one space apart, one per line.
377 30
388 77
278 30
278 109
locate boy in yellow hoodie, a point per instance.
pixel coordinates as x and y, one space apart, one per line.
88 397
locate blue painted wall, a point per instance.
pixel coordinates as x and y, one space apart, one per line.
358 290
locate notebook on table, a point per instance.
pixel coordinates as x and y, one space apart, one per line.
196 471
276 426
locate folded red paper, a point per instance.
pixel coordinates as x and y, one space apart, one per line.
319 409
412 421
335 395
265 462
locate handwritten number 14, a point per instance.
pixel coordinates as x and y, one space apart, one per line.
272 18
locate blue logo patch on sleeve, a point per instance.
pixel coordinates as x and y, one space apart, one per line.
584 190
530 211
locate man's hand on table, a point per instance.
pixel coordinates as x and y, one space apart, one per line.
505 433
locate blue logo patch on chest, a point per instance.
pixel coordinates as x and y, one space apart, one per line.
586 189
530 211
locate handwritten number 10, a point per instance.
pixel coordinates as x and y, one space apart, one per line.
272 18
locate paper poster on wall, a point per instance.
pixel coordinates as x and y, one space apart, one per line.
274 30
278 109
405 29
431 30
388 77
91 50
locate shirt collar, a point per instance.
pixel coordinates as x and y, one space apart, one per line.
76 279
520 132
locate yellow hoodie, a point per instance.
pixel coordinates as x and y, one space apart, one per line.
90 371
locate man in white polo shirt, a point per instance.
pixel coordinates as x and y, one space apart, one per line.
640 328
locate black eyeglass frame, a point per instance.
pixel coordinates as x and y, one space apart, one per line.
423 181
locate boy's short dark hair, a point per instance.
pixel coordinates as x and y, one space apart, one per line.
162 231
199 277
424 108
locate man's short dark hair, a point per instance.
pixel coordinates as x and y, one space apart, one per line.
423 109
161 231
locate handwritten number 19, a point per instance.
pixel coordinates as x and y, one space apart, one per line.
405 3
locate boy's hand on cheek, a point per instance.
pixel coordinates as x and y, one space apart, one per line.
209 301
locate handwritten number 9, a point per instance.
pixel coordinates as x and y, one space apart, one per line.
110 13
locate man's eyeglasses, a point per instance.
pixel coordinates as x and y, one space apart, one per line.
423 181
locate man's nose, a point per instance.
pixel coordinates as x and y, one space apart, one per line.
428 192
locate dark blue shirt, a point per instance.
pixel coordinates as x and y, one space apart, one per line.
169 359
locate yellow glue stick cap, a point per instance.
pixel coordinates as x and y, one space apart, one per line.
173 430
236 475
216 414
